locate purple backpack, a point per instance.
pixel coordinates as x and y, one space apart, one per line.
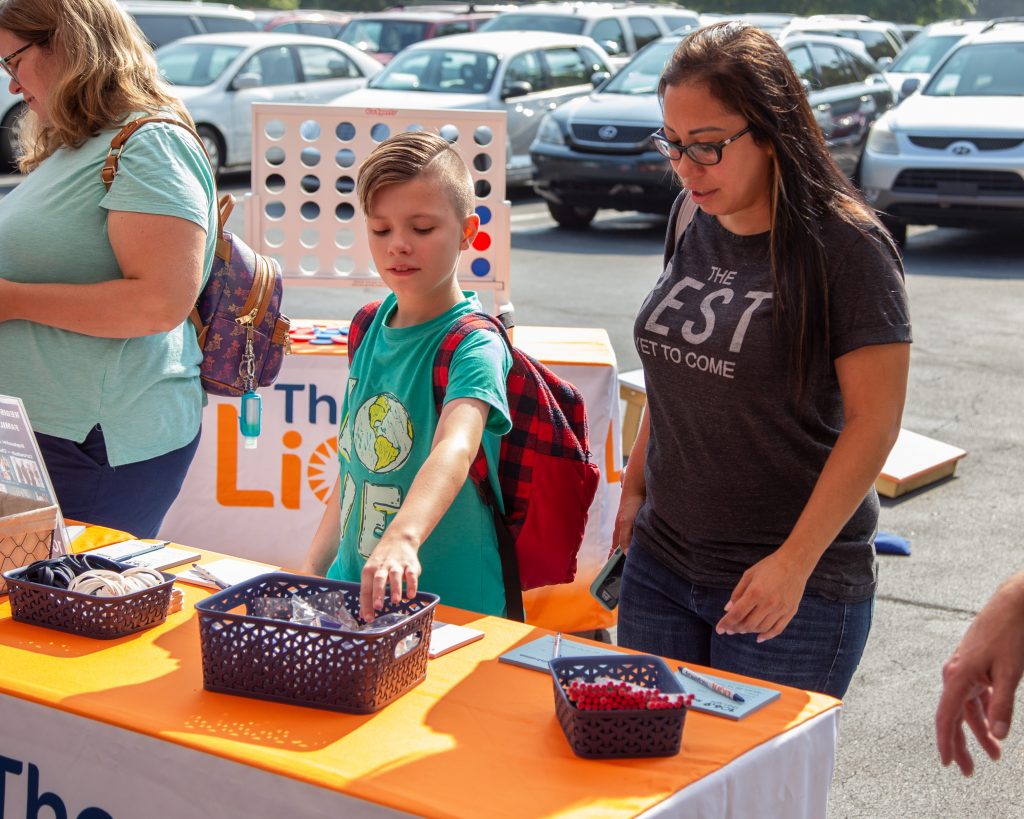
238 320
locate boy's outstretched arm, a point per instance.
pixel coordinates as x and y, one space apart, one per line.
324 548
394 559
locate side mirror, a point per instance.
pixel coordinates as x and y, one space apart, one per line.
806 85
598 77
516 89
910 85
611 47
244 81
884 62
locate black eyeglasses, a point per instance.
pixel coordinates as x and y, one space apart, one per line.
5 62
703 153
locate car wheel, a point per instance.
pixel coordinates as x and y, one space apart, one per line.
571 217
9 131
214 144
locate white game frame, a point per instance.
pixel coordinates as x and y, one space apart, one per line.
304 210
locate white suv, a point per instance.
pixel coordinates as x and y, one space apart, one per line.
161 22
953 154
621 29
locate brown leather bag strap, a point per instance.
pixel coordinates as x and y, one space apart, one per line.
109 170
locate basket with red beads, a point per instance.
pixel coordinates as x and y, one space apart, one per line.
619 705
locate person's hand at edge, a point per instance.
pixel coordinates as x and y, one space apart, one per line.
980 679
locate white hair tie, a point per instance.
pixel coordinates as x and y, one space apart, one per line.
104 583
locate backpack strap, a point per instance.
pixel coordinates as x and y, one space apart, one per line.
224 207
478 471
684 209
360 323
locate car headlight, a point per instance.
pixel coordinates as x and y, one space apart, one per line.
550 132
882 140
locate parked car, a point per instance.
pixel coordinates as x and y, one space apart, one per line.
953 154
526 76
384 35
596 151
220 76
882 39
918 59
164 22
314 23
620 29
161 23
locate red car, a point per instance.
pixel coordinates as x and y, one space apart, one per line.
315 23
384 35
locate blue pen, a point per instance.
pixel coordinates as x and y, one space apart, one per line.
718 689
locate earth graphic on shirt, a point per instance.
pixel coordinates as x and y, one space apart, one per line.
382 433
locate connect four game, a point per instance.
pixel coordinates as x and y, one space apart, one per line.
304 209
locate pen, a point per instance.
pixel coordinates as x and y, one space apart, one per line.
718 689
203 573
558 646
152 547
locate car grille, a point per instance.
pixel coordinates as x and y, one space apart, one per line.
960 182
624 136
981 143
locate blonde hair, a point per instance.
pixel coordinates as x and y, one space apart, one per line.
105 71
404 157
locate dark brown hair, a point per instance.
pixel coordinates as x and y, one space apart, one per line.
747 72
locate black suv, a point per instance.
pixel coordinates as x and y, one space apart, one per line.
595 152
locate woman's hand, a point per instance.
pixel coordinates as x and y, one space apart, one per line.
393 561
766 598
629 506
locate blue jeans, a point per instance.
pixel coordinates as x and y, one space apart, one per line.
133 498
661 613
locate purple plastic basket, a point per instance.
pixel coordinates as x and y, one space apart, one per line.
103 618
351 671
610 734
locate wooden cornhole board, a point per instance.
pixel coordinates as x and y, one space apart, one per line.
916 461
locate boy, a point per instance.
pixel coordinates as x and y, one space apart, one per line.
403 499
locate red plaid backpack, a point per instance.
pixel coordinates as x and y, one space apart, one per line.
547 478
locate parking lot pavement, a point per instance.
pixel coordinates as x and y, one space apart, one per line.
966 388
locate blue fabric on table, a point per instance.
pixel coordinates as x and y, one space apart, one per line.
886 543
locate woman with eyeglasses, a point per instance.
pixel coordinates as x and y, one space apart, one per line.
775 349
96 286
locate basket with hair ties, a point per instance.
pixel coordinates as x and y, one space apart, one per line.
89 595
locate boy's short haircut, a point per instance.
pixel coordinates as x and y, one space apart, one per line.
403 157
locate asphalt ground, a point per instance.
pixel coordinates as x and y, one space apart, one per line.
966 388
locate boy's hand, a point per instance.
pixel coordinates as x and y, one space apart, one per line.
392 562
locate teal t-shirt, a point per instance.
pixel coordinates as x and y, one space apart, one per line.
387 428
144 392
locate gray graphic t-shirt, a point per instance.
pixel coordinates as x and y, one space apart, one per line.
731 461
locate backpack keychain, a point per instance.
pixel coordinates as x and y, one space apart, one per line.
252 405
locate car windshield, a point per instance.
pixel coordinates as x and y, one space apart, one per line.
983 70
439 71
641 75
558 23
195 64
923 53
383 36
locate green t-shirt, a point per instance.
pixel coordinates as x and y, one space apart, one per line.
386 432
144 392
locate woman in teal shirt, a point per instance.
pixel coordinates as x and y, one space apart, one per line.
96 286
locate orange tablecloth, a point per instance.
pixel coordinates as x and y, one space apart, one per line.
478 737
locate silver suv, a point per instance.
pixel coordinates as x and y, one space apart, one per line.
621 29
953 154
883 40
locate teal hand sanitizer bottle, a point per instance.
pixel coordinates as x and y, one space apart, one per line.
249 418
